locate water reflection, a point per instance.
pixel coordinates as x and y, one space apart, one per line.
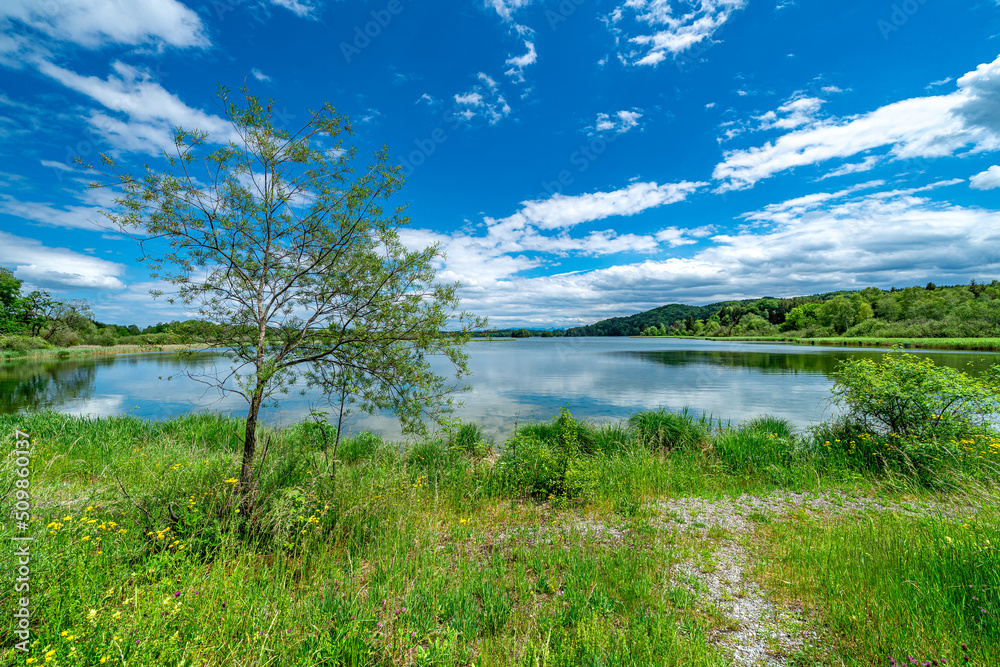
525 380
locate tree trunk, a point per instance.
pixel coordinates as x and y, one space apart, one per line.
249 447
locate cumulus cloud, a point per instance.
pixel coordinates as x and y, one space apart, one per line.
618 123
151 111
518 63
482 100
57 268
97 23
843 240
987 180
791 115
669 26
924 127
539 233
506 8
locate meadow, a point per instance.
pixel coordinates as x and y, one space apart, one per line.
666 539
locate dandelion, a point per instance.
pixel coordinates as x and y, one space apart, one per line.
231 480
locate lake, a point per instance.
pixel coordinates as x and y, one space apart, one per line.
600 379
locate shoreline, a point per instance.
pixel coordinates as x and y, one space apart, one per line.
952 344
79 351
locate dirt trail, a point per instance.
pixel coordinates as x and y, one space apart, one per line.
758 632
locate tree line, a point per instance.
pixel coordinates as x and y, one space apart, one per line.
958 311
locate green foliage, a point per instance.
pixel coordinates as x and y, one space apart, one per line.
633 325
662 430
549 460
307 277
906 395
23 343
961 311
761 444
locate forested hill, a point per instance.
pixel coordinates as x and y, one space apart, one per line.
971 310
633 325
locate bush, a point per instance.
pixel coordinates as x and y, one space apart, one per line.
905 395
23 343
845 441
547 461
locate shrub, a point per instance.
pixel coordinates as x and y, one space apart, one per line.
905 395
548 462
23 343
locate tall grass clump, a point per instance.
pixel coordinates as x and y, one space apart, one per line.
761 444
660 430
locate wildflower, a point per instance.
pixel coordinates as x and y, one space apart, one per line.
231 480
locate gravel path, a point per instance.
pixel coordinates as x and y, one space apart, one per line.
760 633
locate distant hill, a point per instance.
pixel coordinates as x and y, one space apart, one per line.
633 325
932 311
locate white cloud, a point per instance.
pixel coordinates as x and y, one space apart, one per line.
57 268
518 63
883 239
987 180
71 216
924 127
305 10
867 164
484 100
620 123
96 23
791 115
562 211
676 26
506 8
540 230
152 111
260 76
61 166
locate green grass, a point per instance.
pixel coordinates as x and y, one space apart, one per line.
88 351
900 586
442 553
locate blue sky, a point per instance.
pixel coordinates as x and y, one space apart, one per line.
576 160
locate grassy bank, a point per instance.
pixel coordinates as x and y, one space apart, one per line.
88 351
978 344
579 544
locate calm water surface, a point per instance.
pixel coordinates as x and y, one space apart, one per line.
524 380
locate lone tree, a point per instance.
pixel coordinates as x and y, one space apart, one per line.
276 240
